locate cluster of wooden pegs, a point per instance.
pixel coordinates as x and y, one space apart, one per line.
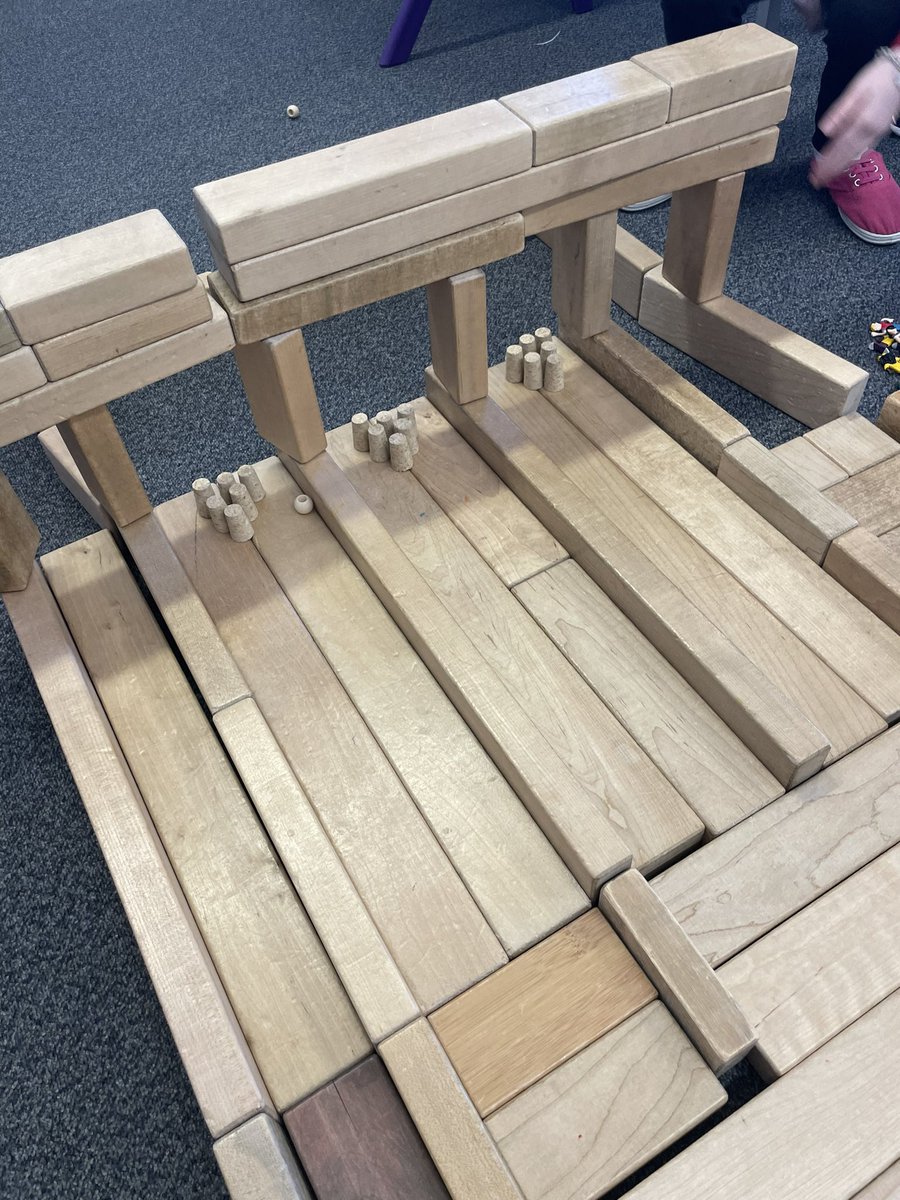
388 437
535 362
230 503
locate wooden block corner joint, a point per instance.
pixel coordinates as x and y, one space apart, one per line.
457 325
19 540
279 386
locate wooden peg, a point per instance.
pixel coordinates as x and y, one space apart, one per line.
240 495
542 335
386 418
515 367
533 372
547 348
238 523
401 452
202 489
224 481
407 428
19 538
248 477
554 374
528 342
378 442
215 509
359 424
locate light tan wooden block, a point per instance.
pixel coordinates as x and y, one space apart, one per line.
297 1019
584 257
91 345
457 326
21 373
587 110
9 340
633 261
873 496
463 1151
787 501
288 202
56 402
721 67
100 455
891 541
888 417
736 888
71 478
693 993
258 1163
603 1114
430 924
885 1187
701 230
19 539
89 276
853 442
809 463
488 835
538 1011
802 1136
815 974
870 571
279 386
209 1040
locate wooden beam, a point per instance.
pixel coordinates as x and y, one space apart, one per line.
22 373
584 257
105 465
19 540
809 463
457 326
870 571
256 1161
71 478
633 261
279 386
853 442
701 229
873 496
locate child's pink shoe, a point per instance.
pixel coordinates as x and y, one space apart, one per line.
868 199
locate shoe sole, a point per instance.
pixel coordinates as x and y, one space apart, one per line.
875 239
652 203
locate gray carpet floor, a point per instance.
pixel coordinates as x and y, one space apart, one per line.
108 107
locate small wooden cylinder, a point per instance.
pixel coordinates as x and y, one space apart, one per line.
401 452
359 426
240 495
202 489
528 343
547 348
224 480
378 442
515 367
533 374
215 510
251 481
238 523
406 410
387 420
554 374
542 335
408 429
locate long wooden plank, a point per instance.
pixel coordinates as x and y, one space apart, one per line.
870 571
511 1029
257 1163
873 496
736 888
488 835
810 463
607 1111
853 442
821 1133
290 1003
223 1075
105 465
885 1187
429 922
567 813
651 818
837 628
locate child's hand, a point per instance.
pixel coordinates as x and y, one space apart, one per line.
858 119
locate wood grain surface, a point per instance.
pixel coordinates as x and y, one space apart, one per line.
257 1163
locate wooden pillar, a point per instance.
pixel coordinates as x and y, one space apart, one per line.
889 417
584 262
19 539
282 395
457 323
100 455
701 230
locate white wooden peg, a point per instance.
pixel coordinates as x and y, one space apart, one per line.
401 452
378 442
238 523
359 425
515 364
251 481
202 489
533 372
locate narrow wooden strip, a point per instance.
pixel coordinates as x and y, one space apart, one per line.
457 1140
809 463
633 261
873 496
257 1163
105 465
853 443
607 1111
700 232
869 570
584 258
212 1047
457 326
22 373
279 386
537 1012
885 1187
734 889
290 1003
70 477
19 539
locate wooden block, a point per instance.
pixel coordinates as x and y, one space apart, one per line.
279 386
888 418
873 496
103 462
8 339
19 540
885 1187
630 793
591 109
457 1140
71 478
457 326
91 345
801 1137
787 501
692 991
809 463
539 1010
736 888
720 68
22 373
290 1003
633 261
891 541
607 1111
853 442
495 846
212 1047
584 257
257 1163
89 276
695 749
357 1141
701 230
429 922
506 535
288 202
870 571
56 402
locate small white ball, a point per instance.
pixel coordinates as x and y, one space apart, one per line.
293 111
303 504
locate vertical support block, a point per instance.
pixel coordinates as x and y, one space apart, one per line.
100 455
584 264
282 395
457 324
19 538
701 230
889 417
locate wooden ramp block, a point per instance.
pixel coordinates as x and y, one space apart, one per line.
21 373
736 888
787 501
103 462
820 1133
584 257
457 1140
19 539
888 417
223 1075
290 1003
792 373
633 261
590 109
535 1013
257 1163
71 478
607 1111
885 1187
873 496
853 442
356 1141
457 326
279 386
815 974
693 993
809 463
869 570
701 229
